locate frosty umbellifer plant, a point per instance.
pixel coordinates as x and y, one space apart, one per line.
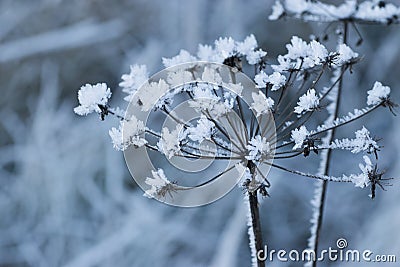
204 108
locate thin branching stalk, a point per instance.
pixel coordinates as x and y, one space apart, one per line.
321 186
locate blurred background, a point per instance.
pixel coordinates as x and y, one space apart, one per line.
67 198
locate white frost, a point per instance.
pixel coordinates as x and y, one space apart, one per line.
307 102
90 97
298 136
261 104
377 94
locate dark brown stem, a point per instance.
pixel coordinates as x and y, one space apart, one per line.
255 217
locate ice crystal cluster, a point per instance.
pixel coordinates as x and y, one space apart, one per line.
370 11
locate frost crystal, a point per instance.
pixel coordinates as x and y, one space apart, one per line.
374 11
225 47
159 183
203 130
346 54
301 54
277 80
298 136
277 11
169 143
90 97
180 77
362 142
307 102
205 100
183 57
150 94
131 82
258 148
366 11
128 134
377 94
261 104
260 79
362 179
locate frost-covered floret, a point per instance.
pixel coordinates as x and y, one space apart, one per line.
362 142
318 52
90 97
378 94
128 134
307 102
183 57
179 77
299 136
277 80
301 54
362 179
261 104
203 130
297 48
170 142
150 94
205 100
160 185
346 54
378 11
131 82
368 11
225 47
277 11
258 148
261 79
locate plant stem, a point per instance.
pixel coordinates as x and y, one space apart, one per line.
255 219
321 189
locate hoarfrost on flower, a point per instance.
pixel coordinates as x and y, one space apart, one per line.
377 94
375 11
160 185
307 102
248 49
261 104
131 82
151 94
203 130
277 80
260 79
205 100
297 48
225 47
206 53
258 148
346 54
90 97
362 142
183 57
299 136
128 134
179 77
362 179
169 143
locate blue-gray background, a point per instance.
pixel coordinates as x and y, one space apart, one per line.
66 197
